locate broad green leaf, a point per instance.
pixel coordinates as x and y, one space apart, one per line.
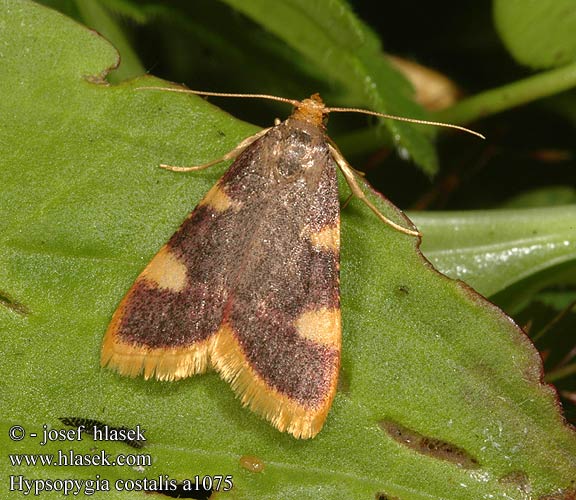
538 34
84 207
347 52
493 249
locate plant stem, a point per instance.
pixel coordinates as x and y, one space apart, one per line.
511 95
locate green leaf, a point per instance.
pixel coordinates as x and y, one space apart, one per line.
431 375
494 249
95 15
329 35
538 34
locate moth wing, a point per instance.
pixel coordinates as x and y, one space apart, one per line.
280 338
284 363
165 325
248 284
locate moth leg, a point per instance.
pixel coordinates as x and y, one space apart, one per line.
345 204
231 155
349 175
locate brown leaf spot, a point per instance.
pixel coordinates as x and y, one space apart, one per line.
517 479
252 463
565 494
13 305
429 446
385 496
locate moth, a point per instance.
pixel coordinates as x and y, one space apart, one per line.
249 283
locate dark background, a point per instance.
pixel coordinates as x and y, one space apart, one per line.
526 148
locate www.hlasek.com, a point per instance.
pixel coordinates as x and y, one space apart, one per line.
71 458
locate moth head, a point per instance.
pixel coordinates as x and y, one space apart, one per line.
311 110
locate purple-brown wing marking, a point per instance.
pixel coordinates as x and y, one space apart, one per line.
249 285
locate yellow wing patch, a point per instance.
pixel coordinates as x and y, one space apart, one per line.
166 271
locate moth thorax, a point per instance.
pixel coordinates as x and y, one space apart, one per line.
311 110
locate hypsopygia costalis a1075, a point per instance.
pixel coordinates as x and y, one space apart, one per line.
249 284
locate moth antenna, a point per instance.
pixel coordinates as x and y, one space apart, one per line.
405 119
294 102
